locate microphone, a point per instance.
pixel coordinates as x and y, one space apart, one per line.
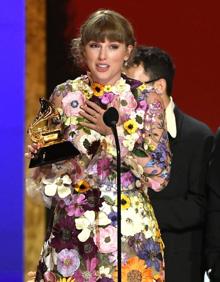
110 118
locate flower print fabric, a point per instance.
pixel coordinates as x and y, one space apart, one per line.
82 243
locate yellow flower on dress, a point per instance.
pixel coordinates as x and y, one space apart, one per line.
87 93
142 87
135 270
107 88
152 147
131 126
125 202
98 89
82 186
70 279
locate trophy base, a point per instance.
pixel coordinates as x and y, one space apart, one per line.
54 153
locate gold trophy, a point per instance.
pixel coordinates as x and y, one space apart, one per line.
47 130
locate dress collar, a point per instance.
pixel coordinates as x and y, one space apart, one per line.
171 119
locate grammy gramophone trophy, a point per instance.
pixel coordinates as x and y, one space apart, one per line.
47 130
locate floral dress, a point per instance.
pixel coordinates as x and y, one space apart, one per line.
81 244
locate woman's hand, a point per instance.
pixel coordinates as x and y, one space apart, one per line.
32 150
31 276
94 114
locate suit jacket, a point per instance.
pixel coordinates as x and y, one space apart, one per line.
180 208
213 214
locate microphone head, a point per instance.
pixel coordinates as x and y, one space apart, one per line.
110 117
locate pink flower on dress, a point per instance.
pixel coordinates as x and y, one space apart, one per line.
49 277
153 184
90 274
106 239
107 98
103 168
67 262
72 102
143 105
127 103
76 170
75 207
127 178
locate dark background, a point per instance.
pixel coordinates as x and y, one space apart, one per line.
187 30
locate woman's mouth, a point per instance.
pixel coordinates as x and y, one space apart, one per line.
102 67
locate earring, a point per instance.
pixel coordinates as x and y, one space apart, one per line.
125 63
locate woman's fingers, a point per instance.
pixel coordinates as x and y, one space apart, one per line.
31 276
94 106
89 117
32 150
94 115
92 112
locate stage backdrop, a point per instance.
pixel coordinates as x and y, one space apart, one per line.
12 49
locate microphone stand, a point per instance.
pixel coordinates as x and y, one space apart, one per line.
114 131
110 118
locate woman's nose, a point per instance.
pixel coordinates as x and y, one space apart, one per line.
102 53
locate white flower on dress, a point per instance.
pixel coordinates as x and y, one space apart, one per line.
51 258
131 222
120 87
80 84
86 139
138 116
137 203
89 222
60 185
152 228
105 271
136 169
71 121
107 141
107 209
130 141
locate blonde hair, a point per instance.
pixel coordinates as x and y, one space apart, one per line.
101 25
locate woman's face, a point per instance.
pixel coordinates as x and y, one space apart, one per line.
105 60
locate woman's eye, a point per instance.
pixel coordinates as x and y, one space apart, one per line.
114 46
93 45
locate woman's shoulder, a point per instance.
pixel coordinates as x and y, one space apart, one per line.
79 84
72 84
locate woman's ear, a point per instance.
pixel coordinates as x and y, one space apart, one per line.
129 50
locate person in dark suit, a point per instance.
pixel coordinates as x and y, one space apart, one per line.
181 207
213 214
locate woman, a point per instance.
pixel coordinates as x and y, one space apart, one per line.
82 243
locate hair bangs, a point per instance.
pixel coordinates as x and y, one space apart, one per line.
104 29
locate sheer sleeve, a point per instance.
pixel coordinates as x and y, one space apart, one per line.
154 153
69 98
47 182
55 181
143 138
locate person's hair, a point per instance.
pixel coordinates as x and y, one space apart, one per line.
101 25
157 64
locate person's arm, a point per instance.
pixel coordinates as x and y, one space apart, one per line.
213 214
142 134
157 159
188 210
55 180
